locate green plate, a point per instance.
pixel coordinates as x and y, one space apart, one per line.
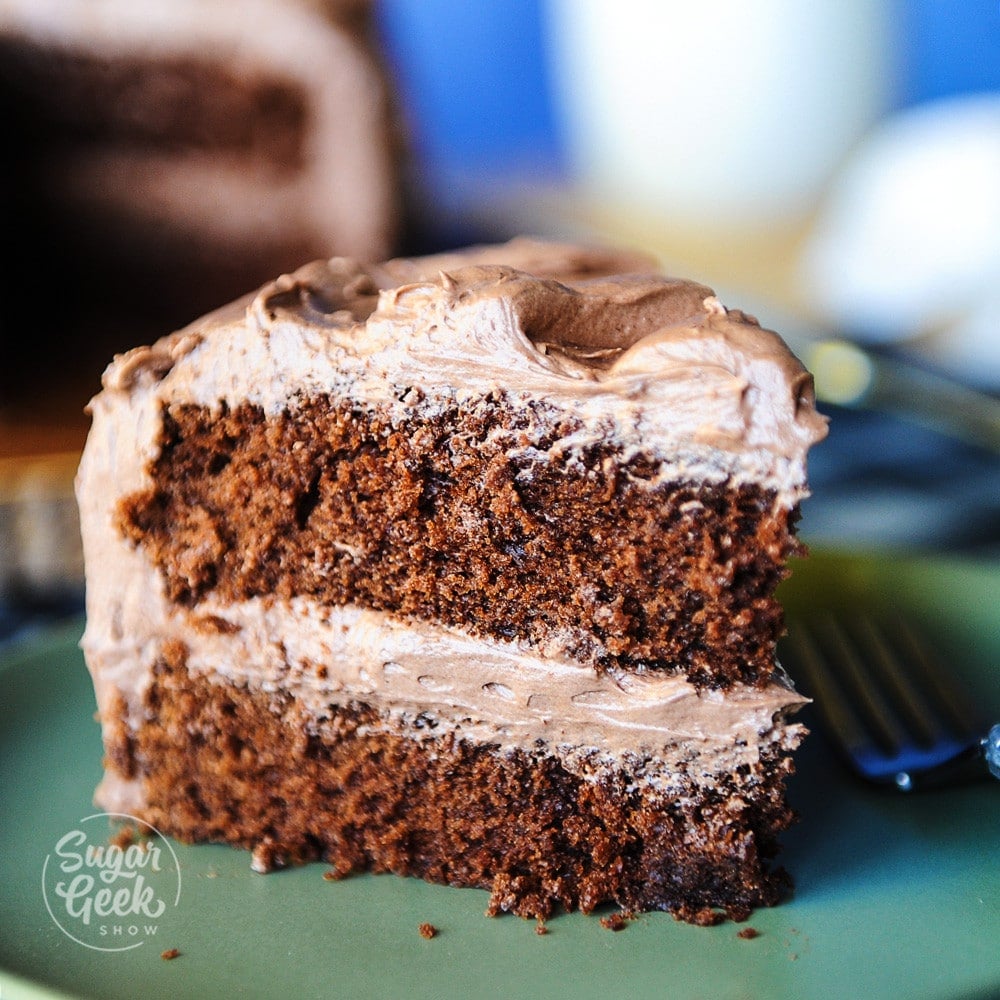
896 896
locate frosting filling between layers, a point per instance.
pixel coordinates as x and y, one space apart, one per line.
497 691
423 678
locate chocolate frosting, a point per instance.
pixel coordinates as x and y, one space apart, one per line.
656 364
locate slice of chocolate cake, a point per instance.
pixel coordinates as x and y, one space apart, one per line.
460 567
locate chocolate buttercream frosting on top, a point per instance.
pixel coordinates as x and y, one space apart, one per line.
657 364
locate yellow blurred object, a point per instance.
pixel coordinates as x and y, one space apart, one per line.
843 372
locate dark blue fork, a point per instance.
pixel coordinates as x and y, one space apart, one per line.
887 701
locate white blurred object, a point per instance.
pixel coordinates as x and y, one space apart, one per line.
971 347
722 112
908 242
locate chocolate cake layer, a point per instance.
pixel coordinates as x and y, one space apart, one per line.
444 520
220 762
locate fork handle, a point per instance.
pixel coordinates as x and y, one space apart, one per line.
991 750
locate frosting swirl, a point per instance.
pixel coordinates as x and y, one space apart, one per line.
656 364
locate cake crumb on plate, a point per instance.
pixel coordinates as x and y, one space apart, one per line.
125 836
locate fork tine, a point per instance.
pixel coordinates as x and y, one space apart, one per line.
952 706
886 728
799 648
930 708
892 670
835 690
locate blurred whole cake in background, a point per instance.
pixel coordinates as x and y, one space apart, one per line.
162 157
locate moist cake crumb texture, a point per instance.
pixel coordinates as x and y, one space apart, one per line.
242 507
460 568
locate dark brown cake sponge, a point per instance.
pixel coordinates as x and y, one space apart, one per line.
437 520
